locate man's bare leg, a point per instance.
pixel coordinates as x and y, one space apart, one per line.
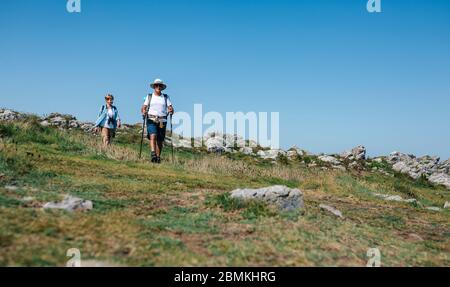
153 146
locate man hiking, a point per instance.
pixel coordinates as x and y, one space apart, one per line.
108 121
157 106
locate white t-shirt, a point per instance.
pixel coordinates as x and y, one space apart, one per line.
109 114
158 105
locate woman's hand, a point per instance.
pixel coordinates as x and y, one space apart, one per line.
119 124
170 110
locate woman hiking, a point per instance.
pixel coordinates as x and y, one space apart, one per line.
108 121
157 106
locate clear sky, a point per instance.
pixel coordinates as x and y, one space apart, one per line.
338 75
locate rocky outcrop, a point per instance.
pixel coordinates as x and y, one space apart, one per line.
10 115
283 197
412 166
357 153
62 121
215 145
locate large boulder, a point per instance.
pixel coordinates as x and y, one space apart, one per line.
440 178
294 153
246 150
215 145
271 154
283 197
329 159
357 153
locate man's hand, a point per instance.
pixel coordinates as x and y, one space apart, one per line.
143 110
119 124
170 110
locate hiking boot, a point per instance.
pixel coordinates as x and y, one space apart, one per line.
158 159
154 157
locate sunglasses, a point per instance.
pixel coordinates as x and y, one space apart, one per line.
158 86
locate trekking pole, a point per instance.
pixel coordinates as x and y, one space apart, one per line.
171 136
143 129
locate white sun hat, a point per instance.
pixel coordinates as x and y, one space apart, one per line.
160 82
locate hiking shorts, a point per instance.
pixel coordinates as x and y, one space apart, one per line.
155 129
107 135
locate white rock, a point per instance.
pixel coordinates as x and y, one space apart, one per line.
215 144
270 154
393 197
447 205
357 153
332 210
284 197
440 178
246 150
70 203
433 208
329 159
44 123
11 187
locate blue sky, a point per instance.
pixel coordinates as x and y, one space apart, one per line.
338 75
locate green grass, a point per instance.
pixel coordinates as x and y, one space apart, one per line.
181 214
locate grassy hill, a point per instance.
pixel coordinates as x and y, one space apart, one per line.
180 213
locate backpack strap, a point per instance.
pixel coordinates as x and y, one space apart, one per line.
149 99
165 99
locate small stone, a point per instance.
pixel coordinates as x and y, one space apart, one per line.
433 208
447 205
28 199
394 198
332 210
415 237
11 187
